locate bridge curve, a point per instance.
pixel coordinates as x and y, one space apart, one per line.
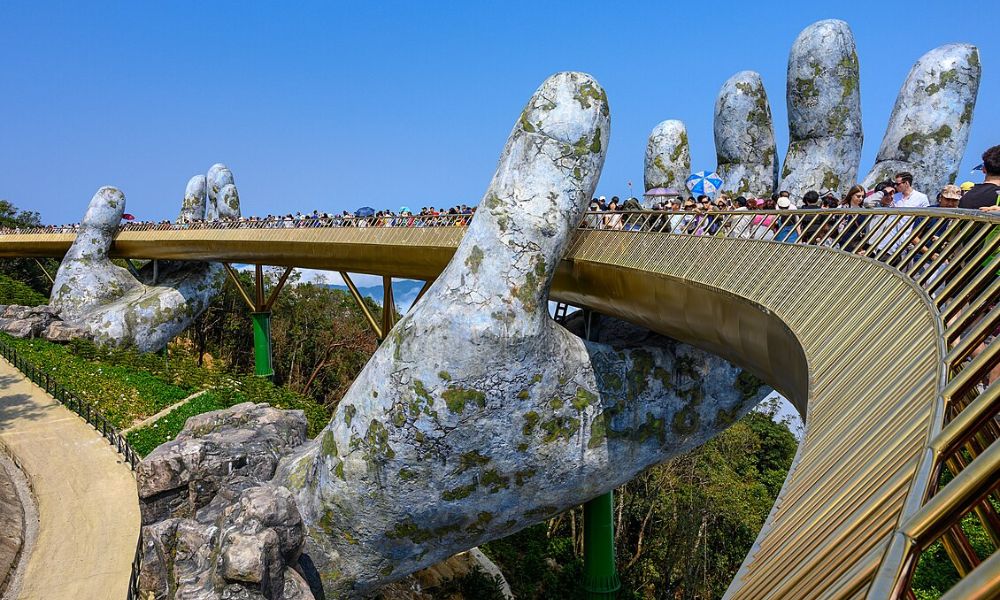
880 349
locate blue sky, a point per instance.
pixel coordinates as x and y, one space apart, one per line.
336 105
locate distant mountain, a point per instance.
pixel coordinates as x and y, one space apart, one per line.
404 291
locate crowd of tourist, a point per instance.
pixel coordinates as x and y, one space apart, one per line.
699 215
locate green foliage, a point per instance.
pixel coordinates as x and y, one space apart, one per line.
246 389
474 585
320 339
935 573
127 386
119 389
538 565
15 292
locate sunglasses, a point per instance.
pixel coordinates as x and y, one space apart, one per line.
690 205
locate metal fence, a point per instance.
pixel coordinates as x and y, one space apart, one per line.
86 410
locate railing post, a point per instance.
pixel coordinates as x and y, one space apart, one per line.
262 344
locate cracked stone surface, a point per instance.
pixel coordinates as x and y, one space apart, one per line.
824 111
668 158
479 415
744 137
930 123
118 309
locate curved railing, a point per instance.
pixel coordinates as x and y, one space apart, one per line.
877 324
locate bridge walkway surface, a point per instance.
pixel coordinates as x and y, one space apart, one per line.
87 502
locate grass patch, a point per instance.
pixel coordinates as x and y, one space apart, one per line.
127 386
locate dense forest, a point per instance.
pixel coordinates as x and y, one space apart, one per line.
681 528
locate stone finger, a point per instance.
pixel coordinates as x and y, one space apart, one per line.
86 278
545 179
218 177
668 158
227 203
929 127
824 111
744 137
193 208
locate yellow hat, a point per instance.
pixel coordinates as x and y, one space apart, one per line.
967 185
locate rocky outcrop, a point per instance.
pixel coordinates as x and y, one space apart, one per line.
744 137
115 307
824 111
212 525
38 321
241 444
930 123
12 526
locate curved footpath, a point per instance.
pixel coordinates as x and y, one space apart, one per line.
88 508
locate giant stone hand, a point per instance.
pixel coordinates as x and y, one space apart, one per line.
926 135
117 308
480 415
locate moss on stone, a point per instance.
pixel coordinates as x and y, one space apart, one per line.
493 480
469 460
458 493
407 474
521 477
530 420
559 428
831 180
444 375
523 394
349 412
410 530
805 89
557 403
686 420
588 93
474 259
583 398
328 445
525 123
916 143
598 431
456 398
944 78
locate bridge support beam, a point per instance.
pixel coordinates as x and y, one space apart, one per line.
260 309
600 573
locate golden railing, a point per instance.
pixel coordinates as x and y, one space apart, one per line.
877 324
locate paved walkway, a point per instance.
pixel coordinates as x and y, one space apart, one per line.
87 503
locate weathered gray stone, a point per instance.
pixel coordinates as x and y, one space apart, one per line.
824 111
62 332
744 137
115 307
480 415
184 475
28 327
929 127
668 158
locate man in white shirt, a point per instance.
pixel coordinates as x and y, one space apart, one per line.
906 196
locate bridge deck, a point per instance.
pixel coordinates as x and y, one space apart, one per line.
880 351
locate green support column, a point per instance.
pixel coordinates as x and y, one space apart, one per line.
262 344
600 576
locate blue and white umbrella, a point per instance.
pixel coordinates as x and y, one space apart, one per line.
704 182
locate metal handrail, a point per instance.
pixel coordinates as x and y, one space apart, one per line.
92 416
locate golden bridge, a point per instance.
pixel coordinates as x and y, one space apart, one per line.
877 325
